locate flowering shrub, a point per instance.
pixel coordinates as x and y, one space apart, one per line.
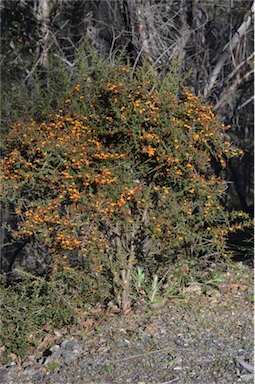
121 174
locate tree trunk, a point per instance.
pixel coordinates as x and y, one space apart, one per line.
42 16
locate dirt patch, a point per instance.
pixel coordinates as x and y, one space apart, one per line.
205 337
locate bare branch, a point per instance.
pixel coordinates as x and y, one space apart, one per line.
251 99
229 91
228 49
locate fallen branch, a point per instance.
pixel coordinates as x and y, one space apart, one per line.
164 350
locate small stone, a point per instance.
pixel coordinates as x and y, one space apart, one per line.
248 378
13 357
224 289
56 353
54 348
26 364
2 350
12 365
243 364
68 356
195 289
57 333
213 293
71 345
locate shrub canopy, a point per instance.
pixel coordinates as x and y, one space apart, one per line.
121 174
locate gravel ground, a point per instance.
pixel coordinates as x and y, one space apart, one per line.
204 338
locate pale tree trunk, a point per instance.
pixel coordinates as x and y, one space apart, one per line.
228 49
144 17
42 16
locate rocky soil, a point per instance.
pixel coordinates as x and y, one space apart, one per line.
204 337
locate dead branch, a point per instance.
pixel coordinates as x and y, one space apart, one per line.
228 49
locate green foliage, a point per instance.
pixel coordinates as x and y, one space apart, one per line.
27 306
37 306
33 98
139 278
150 289
154 289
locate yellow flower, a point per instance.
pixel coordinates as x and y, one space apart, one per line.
99 269
149 150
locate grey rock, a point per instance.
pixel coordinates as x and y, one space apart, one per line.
68 356
56 353
71 345
248 378
243 364
55 348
